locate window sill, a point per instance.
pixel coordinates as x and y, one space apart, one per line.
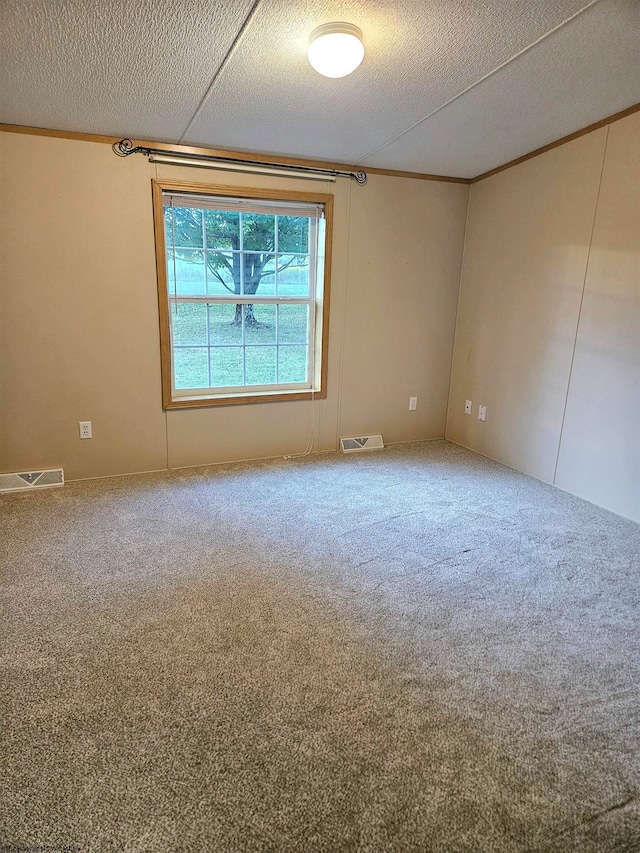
243 399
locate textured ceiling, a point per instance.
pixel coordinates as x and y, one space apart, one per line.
112 66
450 87
568 81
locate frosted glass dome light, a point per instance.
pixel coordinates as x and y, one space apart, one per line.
335 50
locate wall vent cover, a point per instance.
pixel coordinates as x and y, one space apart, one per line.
365 442
31 480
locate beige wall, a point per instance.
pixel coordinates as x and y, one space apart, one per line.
404 252
79 327
548 328
600 448
78 310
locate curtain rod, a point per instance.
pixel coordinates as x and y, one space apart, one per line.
125 147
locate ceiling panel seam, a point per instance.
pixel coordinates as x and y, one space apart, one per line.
478 82
221 67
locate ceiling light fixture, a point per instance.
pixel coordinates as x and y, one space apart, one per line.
336 49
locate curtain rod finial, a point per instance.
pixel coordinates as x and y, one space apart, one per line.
123 148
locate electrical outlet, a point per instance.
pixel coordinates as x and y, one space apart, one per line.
85 429
482 413
467 407
413 404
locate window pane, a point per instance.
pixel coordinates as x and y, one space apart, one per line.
217 257
292 364
293 324
226 366
170 271
261 365
258 232
223 273
260 324
222 229
293 275
225 324
186 228
168 227
189 272
189 324
259 274
293 234
190 367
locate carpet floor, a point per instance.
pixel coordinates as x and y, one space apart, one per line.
412 650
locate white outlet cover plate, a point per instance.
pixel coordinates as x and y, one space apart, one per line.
467 407
482 413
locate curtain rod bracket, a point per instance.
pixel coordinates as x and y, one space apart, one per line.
125 147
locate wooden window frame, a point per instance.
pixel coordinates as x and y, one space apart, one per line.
321 337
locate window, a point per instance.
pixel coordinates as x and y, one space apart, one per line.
243 283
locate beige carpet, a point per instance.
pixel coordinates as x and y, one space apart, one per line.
413 650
